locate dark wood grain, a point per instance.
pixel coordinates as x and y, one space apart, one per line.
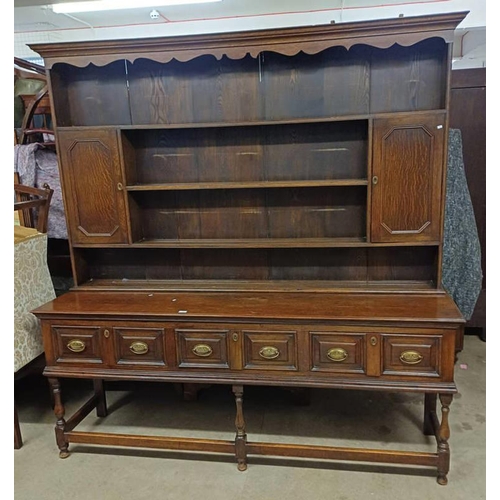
407 169
257 208
91 96
302 152
186 186
91 176
346 265
333 82
273 305
150 350
252 214
200 90
282 286
408 78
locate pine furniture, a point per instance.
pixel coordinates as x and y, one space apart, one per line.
259 208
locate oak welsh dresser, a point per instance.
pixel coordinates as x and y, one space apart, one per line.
261 207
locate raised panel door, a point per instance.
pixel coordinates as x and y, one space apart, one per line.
93 186
407 178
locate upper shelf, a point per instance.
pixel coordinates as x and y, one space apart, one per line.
258 123
289 41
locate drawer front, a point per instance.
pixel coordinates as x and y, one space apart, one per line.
336 352
139 346
77 344
269 350
415 355
198 348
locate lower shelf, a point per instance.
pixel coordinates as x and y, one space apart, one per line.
260 285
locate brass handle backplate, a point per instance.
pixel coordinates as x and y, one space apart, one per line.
202 350
76 345
411 357
139 347
106 333
337 354
373 340
119 186
269 352
375 179
235 337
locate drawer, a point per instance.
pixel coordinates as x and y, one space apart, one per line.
337 352
269 350
198 348
416 355
77 344
139 346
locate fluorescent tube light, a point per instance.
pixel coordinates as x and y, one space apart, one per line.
98 5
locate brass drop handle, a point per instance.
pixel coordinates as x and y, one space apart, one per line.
119 186
375 180
269 352
139 348
106 333
337 354
202 350
373 340
411 357
76 345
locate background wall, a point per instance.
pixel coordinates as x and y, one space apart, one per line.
34 20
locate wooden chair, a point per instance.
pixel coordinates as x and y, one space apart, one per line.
34 104
32 205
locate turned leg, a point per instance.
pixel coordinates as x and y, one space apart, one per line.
18 440
429 408
241 437
101 408
442 438
60 423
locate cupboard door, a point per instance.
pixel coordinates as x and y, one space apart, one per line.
93 185
407 177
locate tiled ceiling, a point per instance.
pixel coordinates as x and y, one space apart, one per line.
34 20
34 14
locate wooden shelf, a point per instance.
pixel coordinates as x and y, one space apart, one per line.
291 121
261 286
247 185
260 243
255 243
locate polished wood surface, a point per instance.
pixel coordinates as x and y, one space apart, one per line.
256 208
91 171
407 178
324 306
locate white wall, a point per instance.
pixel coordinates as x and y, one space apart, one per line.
66 29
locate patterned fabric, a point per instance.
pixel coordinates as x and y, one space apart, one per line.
32 288
462 273
37 166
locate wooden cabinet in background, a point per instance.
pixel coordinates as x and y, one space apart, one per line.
468 114
257 208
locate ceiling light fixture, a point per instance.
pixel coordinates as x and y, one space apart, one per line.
98 5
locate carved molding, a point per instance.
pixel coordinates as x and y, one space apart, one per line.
289 41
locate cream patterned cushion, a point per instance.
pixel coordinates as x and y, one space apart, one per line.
32 288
